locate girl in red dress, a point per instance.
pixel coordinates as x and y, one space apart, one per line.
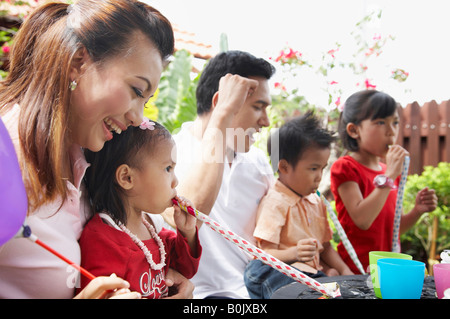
364 187
130 182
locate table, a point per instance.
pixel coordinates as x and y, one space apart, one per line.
351 287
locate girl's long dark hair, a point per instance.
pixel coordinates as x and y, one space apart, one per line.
129 147
360 106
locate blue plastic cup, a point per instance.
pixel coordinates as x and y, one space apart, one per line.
401 278
373 258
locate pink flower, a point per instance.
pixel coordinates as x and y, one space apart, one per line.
332 52
147 125
5 49
280 86
279 56
291 53
338 101
289 56
370 51
333 82
341 106
369 85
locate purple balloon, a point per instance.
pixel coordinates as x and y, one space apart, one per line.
13 198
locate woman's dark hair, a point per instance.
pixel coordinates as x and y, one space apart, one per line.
130 147
104 27
233 62
296 136
360 106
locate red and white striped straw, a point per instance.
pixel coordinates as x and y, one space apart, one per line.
260 254
342 235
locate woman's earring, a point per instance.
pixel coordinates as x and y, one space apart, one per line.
73 85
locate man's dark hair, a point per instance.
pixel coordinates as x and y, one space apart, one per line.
233 62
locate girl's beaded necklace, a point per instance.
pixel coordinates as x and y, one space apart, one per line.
144 249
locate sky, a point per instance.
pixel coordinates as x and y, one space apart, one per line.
421 31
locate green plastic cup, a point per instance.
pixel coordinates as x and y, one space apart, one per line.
373 257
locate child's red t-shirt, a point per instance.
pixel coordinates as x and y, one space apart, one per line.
106 250
379 236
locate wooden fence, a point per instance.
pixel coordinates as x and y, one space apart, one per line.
425 134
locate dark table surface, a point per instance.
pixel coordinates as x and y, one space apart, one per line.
351 287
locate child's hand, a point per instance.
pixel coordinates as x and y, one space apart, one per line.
394 160
306 249
426 200
184 221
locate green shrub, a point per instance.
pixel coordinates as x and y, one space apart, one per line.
418 240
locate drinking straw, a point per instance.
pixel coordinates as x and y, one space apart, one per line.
259 254
398 206
342 235
26 232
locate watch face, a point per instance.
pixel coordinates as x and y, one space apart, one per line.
381 180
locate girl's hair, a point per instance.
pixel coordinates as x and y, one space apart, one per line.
38 80
368 104
131 147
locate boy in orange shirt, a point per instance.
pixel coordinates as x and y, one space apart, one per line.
292 222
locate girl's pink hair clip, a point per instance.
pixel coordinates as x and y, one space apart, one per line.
147 124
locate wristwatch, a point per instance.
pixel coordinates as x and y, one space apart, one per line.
382 181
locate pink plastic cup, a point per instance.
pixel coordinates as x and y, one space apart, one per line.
441 278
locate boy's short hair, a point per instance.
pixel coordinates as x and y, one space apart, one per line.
233 62
296 136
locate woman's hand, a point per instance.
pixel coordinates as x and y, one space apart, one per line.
179 286
108 287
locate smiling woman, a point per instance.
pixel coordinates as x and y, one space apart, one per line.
76 73
119 91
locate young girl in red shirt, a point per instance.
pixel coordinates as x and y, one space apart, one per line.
130 181
365 189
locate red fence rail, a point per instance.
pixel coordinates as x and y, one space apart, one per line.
425 134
